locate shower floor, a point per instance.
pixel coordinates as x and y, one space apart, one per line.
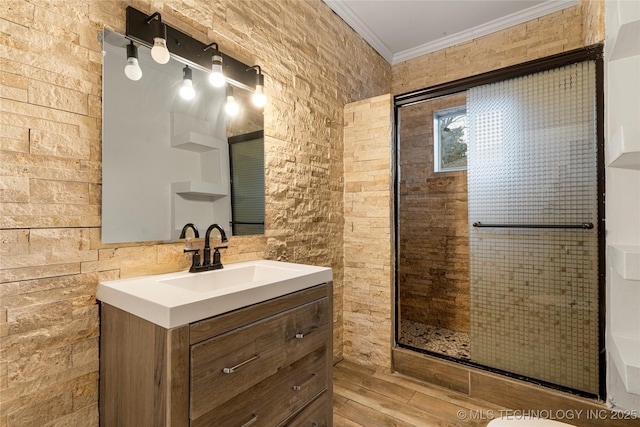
435 339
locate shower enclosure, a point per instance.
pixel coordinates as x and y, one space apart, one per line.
498 240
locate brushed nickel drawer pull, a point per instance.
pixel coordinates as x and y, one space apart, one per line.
296 387
239 365
251 421
301 335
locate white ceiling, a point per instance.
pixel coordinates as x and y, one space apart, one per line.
403 29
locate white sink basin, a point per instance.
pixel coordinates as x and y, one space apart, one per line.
232 277
175 299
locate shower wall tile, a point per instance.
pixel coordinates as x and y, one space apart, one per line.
368 270
433 269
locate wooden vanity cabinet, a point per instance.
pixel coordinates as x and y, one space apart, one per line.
268 365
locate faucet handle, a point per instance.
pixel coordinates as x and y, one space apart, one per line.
195 259
216 255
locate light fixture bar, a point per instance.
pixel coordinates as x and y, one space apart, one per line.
188 50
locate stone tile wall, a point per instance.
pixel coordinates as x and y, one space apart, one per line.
368 272
50 174
50 120
433 259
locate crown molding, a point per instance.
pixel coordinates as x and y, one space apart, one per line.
341 9
529 14
344 12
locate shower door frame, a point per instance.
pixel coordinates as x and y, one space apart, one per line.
589 53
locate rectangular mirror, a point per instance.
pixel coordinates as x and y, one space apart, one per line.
165 159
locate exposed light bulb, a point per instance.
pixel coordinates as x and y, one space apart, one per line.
159 51
187 91
132 69
258 98
216 77
231 107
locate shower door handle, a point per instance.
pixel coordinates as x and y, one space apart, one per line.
584 225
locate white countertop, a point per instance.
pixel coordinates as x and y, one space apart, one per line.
175 299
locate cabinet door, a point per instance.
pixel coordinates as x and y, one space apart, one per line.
229 364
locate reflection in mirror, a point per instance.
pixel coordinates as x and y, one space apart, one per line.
165 159
246 153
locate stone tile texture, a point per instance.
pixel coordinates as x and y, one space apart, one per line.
433 261
50 172
368 274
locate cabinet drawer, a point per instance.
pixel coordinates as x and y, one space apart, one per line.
316 414
223 323
226 365
274 399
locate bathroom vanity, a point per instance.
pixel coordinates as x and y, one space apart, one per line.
264 363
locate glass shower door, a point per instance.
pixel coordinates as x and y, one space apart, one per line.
533 212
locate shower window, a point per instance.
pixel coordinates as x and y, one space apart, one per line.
450 139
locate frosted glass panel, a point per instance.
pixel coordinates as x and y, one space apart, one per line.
532 161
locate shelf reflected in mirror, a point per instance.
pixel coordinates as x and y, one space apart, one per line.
165 159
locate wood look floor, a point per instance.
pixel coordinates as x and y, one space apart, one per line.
364 397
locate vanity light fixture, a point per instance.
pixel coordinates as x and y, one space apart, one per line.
159 51
231 107
186 90
216 78
150 31
132 69
259 99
